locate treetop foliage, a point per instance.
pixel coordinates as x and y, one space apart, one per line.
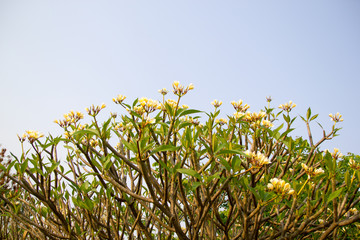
159 172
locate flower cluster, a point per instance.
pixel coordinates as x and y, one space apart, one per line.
70 118
216 103
119 99
93 111
113 115
239 107
119 146
148 120
138 109
73 117
249 116
279 186
310 171
336 154
172 103
221 121
253 117
163 91
122 127
180 90
267 123
32 136
63 123
257 159
190 120
94 143
22 138
352 211
68 134
149 105
353 164
90 142
287 106
336 118
119 127
267 228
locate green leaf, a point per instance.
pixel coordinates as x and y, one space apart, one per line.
244 182
11 164
195 185
308 114
347 179
292 120
263 195
75 201
165 148
236 163
105 128
24 166
275 133
169 109
85 187
108 192
184 124
188 111
232 151
148 147
334 195
135 102
130 146
286 118
225 163
78 229
69 147
53 166
88 204
188 135
165 166
329 162
134 114
314 117
2 167
210 178
179 111
216 114
96 163
107 162
143 143
256 194
289 143
177 166
86 131
17 167
190 172
286 132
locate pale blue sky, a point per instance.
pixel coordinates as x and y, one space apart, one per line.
61 55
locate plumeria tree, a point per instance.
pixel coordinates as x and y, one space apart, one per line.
162 172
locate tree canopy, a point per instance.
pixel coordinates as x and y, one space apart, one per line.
162 172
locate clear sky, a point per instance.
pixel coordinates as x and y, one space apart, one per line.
61 55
